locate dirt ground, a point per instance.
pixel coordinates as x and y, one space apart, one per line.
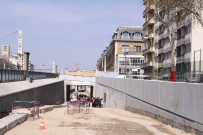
99 121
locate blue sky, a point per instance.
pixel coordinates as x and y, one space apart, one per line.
66 31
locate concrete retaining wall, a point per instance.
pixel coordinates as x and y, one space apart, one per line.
47 92
177 104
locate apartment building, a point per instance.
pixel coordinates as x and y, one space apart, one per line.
188 41
149 35
124 53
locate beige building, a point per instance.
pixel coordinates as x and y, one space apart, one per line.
157 53
5 51
124 53
81 73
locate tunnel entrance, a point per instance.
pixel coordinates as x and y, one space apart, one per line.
91 91
78 91
69 90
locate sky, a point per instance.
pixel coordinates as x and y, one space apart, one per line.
68 32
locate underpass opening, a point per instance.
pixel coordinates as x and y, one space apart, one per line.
69 90
91 92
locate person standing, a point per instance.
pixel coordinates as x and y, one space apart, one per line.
102 103
90 102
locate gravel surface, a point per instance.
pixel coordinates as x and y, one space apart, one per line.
99 121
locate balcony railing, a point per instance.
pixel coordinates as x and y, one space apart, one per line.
180 40
145 65
179 58
149 7
150 22
160 64
148 50
160 50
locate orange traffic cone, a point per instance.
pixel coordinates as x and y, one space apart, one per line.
42 124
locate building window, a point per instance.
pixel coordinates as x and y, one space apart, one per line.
188 30
188 48
179 51
121 71
137 48
121 61
125 35
179 34
125 48
137 36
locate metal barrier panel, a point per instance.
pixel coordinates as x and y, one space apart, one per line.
18 75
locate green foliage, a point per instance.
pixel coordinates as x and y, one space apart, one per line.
158 73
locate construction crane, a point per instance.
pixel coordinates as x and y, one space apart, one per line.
7 40
20 48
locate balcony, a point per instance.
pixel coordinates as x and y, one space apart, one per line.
180 58
160 50
150 22
148 50
160 64
149 7
185 22
146 65
181 41
167 48
163 34
156 53
151 35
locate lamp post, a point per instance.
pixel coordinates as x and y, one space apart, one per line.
125 53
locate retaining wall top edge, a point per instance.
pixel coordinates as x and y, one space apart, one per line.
16 87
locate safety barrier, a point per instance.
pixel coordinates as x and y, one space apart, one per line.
18 75
77 106
34 105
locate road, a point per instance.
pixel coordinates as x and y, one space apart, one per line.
99 121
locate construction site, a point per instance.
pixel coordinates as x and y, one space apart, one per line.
98 121
39 103
45 106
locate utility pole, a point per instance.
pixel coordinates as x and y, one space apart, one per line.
125 65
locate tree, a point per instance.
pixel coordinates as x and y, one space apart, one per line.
169 14
193 6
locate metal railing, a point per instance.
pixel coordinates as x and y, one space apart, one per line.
190 76
18 75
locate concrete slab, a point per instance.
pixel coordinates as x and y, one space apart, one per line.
3 128
46 109
11 121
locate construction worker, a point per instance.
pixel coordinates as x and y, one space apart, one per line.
102 103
